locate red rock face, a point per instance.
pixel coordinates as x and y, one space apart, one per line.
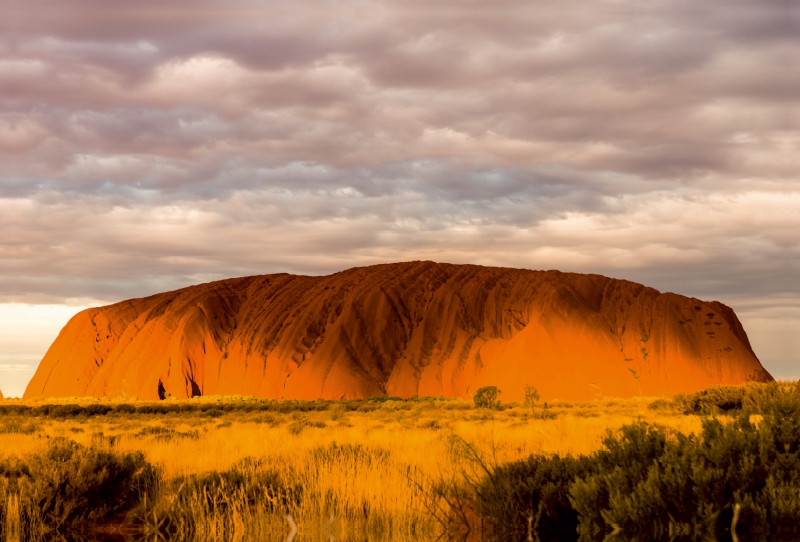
405 329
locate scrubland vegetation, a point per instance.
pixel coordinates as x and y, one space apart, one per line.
232 468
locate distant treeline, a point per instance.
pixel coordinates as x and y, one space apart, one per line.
216 408
753 397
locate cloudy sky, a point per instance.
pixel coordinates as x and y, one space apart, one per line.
149 145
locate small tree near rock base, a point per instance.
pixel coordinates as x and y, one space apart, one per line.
486 397
531 396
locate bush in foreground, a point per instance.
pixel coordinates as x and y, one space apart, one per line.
650 483
217 504
69 486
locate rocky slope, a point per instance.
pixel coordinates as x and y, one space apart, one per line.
417 328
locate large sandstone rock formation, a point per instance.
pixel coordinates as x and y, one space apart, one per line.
404 329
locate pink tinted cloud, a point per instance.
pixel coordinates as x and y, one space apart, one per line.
152 145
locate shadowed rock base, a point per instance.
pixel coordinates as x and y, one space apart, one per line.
405 329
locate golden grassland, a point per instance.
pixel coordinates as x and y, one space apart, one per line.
397 450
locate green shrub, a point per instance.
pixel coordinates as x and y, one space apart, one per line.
151 409
97 410
754 396
650 483
531 396
247 483
661 404
350 453
433 425
486 397
16 426
163 433
66 411
586 414
531 495
297 427
213 505
268 419
383 399
714 400
42 410
15 410
69 486
124 409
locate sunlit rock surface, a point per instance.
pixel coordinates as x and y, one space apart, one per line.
404 329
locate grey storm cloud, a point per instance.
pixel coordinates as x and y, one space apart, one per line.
151 145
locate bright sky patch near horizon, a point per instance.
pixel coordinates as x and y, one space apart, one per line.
146 147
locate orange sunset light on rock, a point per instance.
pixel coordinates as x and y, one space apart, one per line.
405 329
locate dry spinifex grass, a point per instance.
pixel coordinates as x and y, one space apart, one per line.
371 470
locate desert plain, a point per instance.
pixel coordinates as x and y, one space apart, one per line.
233 468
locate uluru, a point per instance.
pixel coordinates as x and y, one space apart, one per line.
402 329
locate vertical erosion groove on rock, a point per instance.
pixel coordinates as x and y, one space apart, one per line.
405 329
